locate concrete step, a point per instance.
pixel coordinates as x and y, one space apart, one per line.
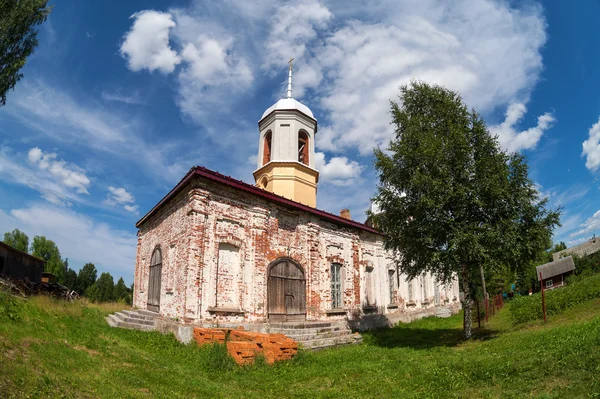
291 325
110 321
287 331
135 315
322 343
134 320
115 321
443 313
133 326
146 312
301 337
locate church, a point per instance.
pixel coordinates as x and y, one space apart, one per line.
216 250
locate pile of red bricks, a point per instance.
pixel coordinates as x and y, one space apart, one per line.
210 335
243 346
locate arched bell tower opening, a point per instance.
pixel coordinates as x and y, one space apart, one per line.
286 150
303 143
267 147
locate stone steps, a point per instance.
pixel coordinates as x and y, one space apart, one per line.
323 330
306 336
134 320
443 312
318 335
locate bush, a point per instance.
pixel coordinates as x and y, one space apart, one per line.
9 306
529 308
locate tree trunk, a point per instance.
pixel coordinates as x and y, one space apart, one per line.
467 304
485 297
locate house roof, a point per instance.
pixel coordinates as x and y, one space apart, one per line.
25 254
199 171
555 268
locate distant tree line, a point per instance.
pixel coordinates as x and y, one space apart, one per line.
85 283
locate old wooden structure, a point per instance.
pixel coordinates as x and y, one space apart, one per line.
14 263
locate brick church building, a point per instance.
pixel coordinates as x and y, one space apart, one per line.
218 250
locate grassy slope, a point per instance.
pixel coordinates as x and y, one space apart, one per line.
58 349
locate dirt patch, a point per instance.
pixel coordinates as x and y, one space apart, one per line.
89 351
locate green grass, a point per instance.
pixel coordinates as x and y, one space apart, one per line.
527 308
55 349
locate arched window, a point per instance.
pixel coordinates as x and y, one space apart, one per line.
263 182
267 148
303 147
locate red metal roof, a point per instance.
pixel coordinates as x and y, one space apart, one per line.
253 190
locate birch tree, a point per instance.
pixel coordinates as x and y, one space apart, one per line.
452 201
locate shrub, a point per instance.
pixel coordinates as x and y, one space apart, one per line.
9 306
529 308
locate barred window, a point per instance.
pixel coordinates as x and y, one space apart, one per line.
336 286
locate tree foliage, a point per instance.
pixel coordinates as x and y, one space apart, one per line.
121 293
18 38
47 250
86 278
103 289
451 199
17 239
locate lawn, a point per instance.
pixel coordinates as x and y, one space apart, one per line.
50 348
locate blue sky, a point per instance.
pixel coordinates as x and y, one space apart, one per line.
120 99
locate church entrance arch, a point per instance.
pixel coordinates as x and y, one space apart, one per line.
154 281
286 291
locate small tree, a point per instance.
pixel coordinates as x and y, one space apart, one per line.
121 292
86 278
103 289
18 38
70 278
17 239
452 201
47 250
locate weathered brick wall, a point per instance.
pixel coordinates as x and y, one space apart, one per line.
587 248
204 216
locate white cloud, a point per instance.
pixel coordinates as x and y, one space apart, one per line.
14 170
591 148
69 175
212 71
131 208
339 171
119 196
131 98
78 237
82 123
590 226
486 50
146 44
513 141
293 28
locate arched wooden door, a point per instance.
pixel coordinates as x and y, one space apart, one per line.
286 292
154 278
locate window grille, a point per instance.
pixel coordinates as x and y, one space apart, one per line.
336 286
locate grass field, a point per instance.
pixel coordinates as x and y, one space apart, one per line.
57 349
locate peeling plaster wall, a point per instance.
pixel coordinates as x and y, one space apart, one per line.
190 228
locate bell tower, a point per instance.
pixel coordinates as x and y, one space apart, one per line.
286 150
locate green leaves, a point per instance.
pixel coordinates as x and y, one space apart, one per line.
17 239
18 38
451 199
